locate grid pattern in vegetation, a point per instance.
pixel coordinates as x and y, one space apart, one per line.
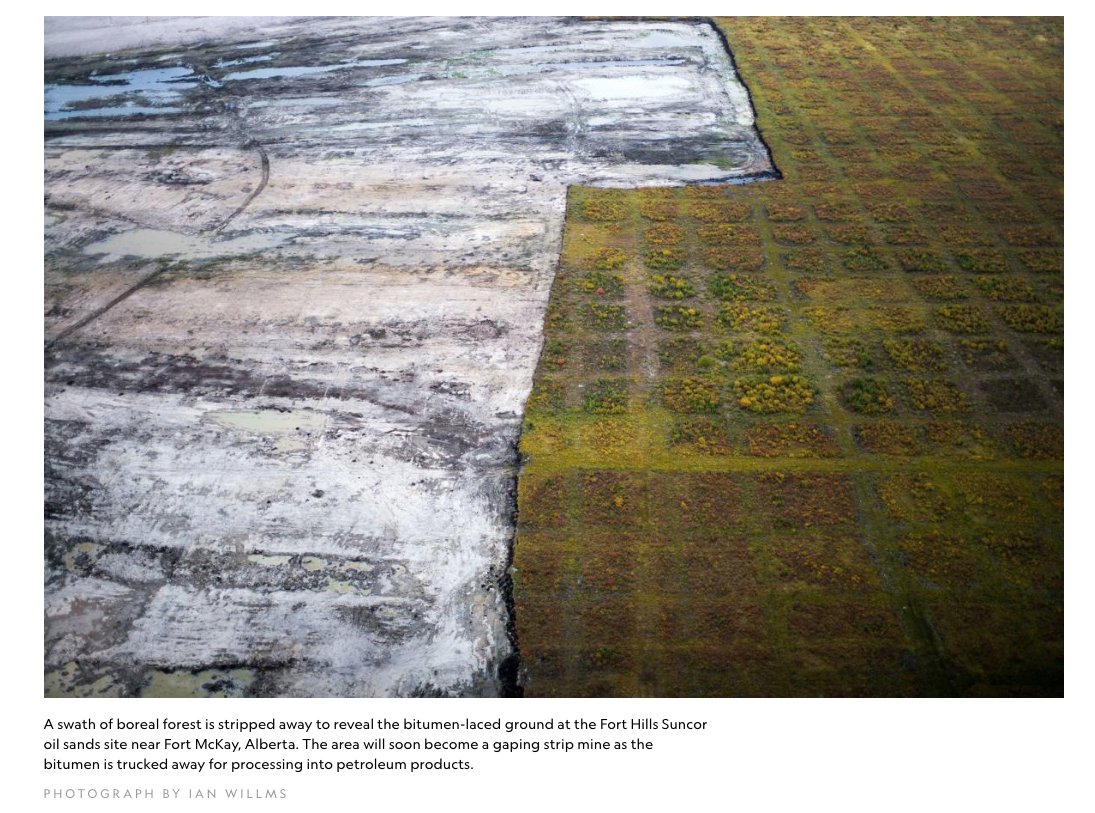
805 436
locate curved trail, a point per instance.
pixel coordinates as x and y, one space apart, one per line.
264 163
265 159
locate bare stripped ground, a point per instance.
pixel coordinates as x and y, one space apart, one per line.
295 286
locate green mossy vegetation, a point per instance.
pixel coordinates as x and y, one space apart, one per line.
832 463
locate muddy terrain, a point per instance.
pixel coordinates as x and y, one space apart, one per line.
295 277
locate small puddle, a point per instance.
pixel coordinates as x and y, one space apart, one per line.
313 563
269 421
269 561
207 683
152 243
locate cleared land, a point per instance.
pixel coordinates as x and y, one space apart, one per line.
806 436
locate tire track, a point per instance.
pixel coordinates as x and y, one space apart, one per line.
264 160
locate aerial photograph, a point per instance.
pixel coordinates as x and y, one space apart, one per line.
553 357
